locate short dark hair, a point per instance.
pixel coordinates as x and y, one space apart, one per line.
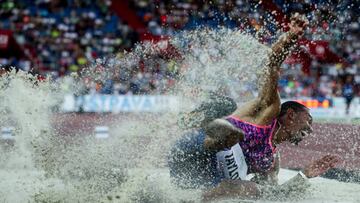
296 106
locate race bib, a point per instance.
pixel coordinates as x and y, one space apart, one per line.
231 163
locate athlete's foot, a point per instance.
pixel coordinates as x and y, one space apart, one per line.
191 120
217 106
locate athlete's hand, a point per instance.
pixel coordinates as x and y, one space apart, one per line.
320 166
298 24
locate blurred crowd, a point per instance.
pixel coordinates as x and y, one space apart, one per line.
167 17
63 34
70 34
339 24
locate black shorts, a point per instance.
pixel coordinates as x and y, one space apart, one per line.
192 166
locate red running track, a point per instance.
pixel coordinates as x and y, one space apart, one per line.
339 139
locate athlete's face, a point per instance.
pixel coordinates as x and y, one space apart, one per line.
300 125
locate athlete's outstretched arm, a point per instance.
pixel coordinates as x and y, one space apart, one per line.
267 105
241 189
296 187
268 94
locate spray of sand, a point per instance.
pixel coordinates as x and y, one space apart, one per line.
130 166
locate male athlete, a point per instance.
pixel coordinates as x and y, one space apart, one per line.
220 154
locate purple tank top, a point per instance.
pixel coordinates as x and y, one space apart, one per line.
257 147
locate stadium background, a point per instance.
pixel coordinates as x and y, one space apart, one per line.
55 38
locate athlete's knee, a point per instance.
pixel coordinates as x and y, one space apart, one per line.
220 128
224 132
212 144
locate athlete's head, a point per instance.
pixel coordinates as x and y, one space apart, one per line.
296 121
